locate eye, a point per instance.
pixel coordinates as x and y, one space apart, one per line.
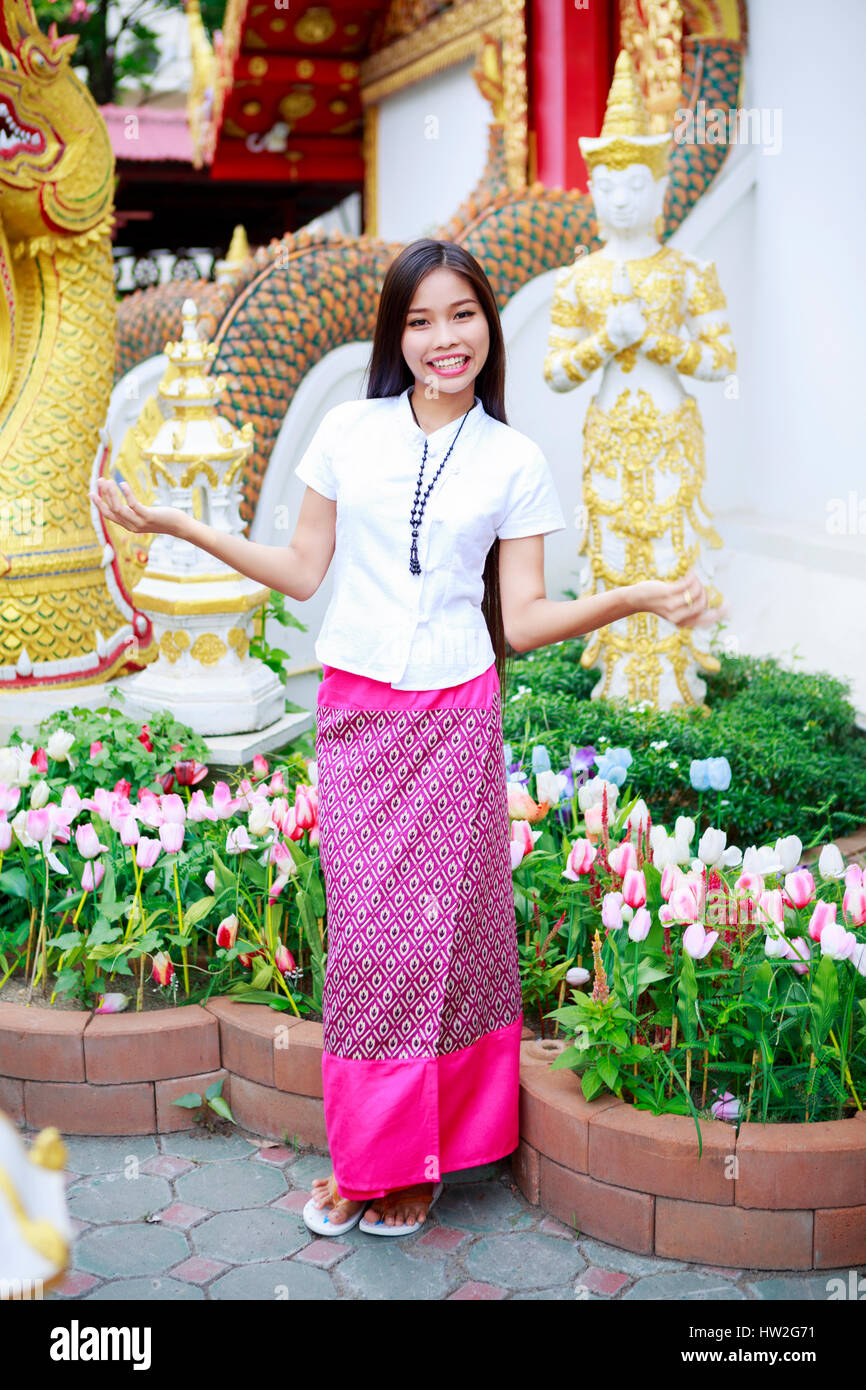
470 312
413 322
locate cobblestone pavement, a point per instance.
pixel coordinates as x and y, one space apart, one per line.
194 1215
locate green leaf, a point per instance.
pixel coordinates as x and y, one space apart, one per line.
214 1089
608 1071
189 1101
687 994
569 1057
196 911
825 999
591 1083
221 1107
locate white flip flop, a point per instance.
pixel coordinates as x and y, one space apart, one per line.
379 1228
316 1219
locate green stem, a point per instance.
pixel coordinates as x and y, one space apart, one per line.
180 928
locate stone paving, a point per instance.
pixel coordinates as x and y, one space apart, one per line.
193 1215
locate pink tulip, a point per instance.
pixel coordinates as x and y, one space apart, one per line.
129 831
671 876
750 883
634 888
580 858
683 903
639 926
227 932
800 954
284 960
88 842
666 916
855 877
277 786
162 968
96 747
173 809
210 879
260 766
697 881
292 831
40 760
520 834
854 906
92 875
592 819
199 809
697 941
171 836
823 915
9 798
517 853
314 835
5 834
222 800
726 1108
611 911
623 858
771 908
800 888
147 852
111 1003
837 942
39 824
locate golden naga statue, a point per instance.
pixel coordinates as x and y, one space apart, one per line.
65 613
646 314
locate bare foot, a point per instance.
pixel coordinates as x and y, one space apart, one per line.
323 1190
406 1213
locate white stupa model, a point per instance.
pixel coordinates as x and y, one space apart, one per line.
202 610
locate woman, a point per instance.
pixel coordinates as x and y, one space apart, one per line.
422 1004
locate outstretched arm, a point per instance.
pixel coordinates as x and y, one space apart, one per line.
573 353
708 352
296 570
532 620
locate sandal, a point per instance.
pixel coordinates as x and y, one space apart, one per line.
392 1200
317 1219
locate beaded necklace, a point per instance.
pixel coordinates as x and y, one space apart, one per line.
417 514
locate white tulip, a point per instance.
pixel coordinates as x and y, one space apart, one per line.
19 825
259 820
711 845
775 946
551 786
830 862
40 795
590 794
59 744
789 850
761 861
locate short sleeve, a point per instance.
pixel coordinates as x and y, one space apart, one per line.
316 467
532 506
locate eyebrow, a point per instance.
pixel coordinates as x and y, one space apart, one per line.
423 310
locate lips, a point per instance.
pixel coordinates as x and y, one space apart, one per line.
452 365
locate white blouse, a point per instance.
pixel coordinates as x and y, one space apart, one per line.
425 631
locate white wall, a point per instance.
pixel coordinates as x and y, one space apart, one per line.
432 147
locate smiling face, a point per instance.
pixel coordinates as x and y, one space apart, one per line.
446 337
627 200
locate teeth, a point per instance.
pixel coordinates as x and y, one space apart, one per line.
448 362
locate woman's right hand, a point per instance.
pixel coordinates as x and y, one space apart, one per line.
125 509
668 599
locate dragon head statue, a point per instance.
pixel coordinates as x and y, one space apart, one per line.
56 162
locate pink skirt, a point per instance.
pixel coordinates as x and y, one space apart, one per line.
422 1007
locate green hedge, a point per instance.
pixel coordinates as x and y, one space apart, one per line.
797 758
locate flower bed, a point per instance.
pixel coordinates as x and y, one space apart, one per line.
769 1196
783 1196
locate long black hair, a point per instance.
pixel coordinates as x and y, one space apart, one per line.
389 374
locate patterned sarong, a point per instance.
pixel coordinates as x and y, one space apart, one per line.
422 1007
